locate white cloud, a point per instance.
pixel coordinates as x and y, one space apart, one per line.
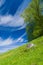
20 39
7 49
5 42
13 21
5 19
10 41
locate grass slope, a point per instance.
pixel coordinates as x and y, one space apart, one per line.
24 56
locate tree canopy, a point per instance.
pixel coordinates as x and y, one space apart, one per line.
33 15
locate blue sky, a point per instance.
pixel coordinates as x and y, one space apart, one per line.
12 26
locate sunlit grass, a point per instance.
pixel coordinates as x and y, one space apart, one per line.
24 55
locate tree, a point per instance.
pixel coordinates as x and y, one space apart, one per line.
33 16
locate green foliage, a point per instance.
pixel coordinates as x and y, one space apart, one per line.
33 15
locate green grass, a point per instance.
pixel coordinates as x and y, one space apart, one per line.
23 55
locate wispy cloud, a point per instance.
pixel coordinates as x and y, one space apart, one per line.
22 7
10 41
9 20
12 21
2 2
7 49
20 39
5 42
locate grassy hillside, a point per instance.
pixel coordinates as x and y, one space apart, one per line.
24 55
